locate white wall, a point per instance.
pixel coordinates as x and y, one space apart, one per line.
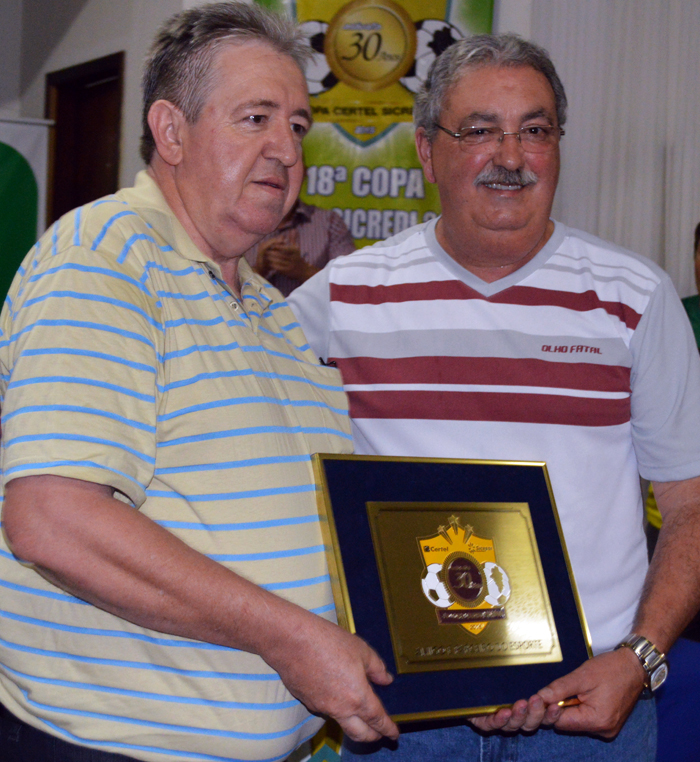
147 16
10 44
513 16
79 31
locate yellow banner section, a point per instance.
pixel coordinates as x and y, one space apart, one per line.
367 55
370 58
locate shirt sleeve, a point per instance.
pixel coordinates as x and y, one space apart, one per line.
81 342
311 306
665 383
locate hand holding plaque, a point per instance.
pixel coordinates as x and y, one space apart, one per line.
330 672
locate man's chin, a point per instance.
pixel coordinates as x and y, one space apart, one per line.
263 221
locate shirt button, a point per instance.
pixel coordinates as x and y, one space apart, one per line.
233 305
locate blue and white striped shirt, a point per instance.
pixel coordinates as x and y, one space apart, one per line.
127 361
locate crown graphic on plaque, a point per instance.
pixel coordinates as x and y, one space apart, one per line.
461 578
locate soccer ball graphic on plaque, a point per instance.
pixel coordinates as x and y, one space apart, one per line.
497 584
434 589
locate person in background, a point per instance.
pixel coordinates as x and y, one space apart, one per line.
306 240
495 332
692 303
165 593
692 308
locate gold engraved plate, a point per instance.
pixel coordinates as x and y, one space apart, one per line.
370 44
463 585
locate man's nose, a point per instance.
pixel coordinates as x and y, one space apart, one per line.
509 152
283 145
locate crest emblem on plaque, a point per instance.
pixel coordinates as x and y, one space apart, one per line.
461 578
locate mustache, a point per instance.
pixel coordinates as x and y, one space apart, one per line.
502 176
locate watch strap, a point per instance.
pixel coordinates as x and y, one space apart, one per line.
650 657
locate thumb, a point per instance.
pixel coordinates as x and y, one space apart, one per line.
560 689
376 669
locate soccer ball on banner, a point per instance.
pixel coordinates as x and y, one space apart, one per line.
319 76
433 36
435 590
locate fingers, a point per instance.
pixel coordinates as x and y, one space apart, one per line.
370 722
490 722
523 715
607 687
376 721
369 729
282 256
533 715
358 730
559 689
552 714
272 243
273 254
281 251
380 722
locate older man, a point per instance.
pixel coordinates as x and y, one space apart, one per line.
165 593
495 332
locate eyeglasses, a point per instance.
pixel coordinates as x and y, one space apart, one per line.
534 138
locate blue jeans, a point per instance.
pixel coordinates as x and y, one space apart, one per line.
20 742
635 743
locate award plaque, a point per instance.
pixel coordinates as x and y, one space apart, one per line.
456 573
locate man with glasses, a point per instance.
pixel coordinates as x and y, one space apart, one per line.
495 332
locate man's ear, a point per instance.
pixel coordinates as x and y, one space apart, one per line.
425 154
167 124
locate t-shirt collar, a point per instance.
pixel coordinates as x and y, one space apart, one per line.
481 286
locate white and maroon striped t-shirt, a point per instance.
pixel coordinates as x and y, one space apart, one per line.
582 358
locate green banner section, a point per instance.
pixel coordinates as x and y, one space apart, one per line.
377 187
18 221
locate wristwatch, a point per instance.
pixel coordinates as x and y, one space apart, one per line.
653 661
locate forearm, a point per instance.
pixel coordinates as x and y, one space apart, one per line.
671 594
608 685
98 548
82 539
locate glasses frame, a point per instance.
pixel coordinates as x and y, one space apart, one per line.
517 134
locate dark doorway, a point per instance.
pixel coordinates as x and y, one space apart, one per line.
85 102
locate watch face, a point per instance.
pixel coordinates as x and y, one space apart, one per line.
658 676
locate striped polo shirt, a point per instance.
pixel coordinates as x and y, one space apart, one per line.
583 358
127 361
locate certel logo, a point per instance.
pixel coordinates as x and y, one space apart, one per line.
432 549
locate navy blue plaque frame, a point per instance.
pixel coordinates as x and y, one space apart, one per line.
349 482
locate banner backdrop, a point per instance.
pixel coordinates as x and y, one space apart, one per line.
23 157
370 58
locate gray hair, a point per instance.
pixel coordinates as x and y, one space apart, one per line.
178 65
475 51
